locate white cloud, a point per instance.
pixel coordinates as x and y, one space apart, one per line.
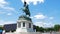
2 12
2 22
39 16
44 24
3 1
4 5
33 1
51 18
9 14
45 21
8 8
31 17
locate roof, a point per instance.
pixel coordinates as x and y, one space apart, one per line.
24 18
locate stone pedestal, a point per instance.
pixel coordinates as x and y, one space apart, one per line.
24 24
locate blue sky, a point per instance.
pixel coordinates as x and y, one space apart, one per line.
44 13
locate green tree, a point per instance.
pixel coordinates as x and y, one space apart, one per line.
37 28
1 28
57 27
41 29
49 29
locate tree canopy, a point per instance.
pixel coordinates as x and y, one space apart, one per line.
41 29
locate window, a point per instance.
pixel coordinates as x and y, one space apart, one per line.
19 24
23 24
29 25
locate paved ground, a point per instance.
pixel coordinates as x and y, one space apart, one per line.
25 33
34 33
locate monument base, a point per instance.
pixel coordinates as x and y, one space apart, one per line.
24 30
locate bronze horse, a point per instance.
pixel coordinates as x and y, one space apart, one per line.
26 9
